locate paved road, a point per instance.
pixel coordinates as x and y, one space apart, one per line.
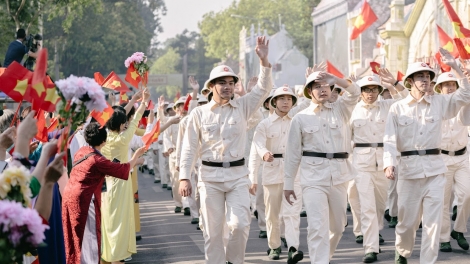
170 238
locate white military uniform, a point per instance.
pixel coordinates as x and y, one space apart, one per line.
455 155
271 136
415 126
217 134
368 128
322 129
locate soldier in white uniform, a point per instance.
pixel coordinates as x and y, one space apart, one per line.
454 152
216 133
413 128
270 141
368 127
319 146
169 144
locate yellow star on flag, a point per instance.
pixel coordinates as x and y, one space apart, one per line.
456 27
39 88
467 48
155 136
116 83
134 75
51 96
124 97
359 21
449 46
21 86
105 116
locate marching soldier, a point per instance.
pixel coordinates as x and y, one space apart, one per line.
413 129
368 127
454 152
216 133
319 146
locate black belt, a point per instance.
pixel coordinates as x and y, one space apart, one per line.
455 153
278 156
421 152
225 164
341 155
369 145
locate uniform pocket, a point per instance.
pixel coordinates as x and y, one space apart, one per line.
209 131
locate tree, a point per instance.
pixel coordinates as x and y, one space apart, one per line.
167 63
220 31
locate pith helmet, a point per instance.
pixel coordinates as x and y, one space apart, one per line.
169 106
220 71
268 98
417 67
201 99
445 77
312 78
181 100
371 80
284 90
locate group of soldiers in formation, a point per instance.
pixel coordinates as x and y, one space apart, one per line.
376 144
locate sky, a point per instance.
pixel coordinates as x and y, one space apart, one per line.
185 14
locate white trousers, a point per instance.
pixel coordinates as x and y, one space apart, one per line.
175 184
457 179
260 206
163 168
393 198
215 196
149 159
291 218
353 198
326 217
193 200
420 200
372 188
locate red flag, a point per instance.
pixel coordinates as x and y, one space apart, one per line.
444 67
98 78
123 98
331 69
186 103
114 82
459 30
53 125
132 76
14 81
363 21
143 122
446 42
151 106
103 117
400 76
375 67
463 47
152 136
41 124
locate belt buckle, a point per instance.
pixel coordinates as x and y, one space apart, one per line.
451 153
330 155
422 152
226 164
374 145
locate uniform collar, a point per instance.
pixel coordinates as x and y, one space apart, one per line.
213 104
314 106
274 116
410 99
363 104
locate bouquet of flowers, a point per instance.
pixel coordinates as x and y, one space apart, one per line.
138 61
80 95
22 230
14 185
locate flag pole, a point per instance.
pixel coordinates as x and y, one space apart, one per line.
16 113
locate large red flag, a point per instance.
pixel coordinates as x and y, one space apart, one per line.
132 76
446 42
463 47
103 117
41 124
14 81
363 21
152 136
114 82
459 30
332 69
